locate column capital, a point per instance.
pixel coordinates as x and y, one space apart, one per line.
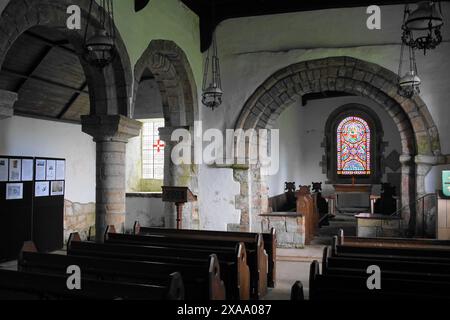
7 101
116 128
406 159
427 160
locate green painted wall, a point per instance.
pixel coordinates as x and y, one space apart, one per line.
160 20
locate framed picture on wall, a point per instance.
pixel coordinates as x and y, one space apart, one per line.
15 170
41 166
51 169
14 191
57 188
60 170
27 170
4 169
42 189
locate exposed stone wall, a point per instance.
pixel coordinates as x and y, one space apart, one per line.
79 218
385 228
290 230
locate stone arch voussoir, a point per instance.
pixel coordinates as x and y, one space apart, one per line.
171 69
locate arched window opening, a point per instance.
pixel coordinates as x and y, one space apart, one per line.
353 147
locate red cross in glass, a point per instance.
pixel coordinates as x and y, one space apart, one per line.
159 145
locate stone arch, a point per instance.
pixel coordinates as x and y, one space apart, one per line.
418 132
170 67
110 89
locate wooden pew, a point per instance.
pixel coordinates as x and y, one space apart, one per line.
15 285
201 281
269 240
233 263
257 258
428 254
354 287
396 269
392 242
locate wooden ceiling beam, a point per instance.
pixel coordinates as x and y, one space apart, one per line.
230 9
72 100
37 78
59 44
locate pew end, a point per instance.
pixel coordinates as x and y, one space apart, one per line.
216 285
175 287
272 279
341 237
137 228
74 237
243 272
326 255
314 272
297 293
109 229
29 246
263 266
334 245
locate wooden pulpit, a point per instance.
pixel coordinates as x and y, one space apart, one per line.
179 196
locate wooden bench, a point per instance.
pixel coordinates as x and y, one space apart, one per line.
201 281
427 254
392 242
353 286
256 256
407 272
396 269
269 240
233 263
15 285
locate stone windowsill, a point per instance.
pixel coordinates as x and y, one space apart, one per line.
156 195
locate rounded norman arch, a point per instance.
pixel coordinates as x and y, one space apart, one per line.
418 132
168 63
343 74
110 89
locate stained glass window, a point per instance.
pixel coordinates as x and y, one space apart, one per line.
353 147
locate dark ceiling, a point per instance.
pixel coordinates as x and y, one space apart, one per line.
227 9
44 70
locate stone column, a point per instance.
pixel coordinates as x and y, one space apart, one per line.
242 175
423 166
7 101
408 193
111 133
180 176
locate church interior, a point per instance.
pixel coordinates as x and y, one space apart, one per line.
205 150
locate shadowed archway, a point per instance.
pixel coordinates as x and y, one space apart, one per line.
169 66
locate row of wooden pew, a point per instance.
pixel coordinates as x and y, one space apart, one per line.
410 269
154 264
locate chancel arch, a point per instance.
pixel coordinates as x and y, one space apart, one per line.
419 135
167 66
